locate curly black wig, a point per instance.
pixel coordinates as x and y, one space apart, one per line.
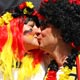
64 16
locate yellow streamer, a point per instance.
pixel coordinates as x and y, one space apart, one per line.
27 70
7 57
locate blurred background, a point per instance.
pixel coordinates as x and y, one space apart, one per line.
8 4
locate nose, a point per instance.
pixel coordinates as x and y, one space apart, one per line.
37 30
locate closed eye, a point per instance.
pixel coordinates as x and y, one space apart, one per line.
27 31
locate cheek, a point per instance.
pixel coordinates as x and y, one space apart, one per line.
27 38
30 44
46 32
31 40
49 40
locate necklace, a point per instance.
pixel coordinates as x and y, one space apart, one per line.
68 70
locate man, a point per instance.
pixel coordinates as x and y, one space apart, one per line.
60 37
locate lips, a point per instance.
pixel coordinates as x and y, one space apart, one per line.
39 40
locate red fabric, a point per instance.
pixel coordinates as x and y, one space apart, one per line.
78 66
16 28
3 36
51 75
40 17
37 56
45 0
22 6
78 47
75 2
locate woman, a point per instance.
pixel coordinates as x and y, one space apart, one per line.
18 39
32 63
31 30
60 37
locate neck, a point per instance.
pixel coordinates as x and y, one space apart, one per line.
60 53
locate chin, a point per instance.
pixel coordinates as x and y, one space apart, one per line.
42 45
30 48
35 42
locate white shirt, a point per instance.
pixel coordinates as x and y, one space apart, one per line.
40 75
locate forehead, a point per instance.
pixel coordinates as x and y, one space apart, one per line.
45 25
30 22
50 27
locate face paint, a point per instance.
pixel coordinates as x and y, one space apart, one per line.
27 31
